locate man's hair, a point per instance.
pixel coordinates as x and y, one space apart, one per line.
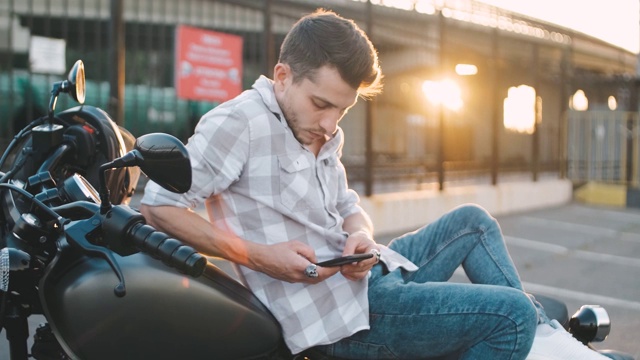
325 38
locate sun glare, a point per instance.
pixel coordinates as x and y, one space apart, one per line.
579 101
519 109
445 92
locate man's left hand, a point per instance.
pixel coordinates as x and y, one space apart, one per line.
359 242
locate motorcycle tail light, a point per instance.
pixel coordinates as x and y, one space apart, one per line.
590 323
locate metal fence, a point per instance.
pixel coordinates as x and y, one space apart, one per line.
150 102
603 147
398 141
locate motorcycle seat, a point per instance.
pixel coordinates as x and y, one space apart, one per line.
616 355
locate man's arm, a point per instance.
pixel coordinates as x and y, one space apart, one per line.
284 261
359 221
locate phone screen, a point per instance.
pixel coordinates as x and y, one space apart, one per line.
345 260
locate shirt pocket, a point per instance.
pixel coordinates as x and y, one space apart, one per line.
332 175
298 183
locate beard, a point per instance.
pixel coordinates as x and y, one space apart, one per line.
294 124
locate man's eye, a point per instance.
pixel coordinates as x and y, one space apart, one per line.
319 105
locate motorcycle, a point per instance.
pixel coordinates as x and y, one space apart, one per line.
109 285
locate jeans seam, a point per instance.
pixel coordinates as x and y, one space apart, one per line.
331 349
483 241
445 245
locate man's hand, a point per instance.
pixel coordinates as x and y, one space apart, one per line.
359 242
287 261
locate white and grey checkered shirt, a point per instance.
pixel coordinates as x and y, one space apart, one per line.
258 180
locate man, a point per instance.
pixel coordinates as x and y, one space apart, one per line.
267 165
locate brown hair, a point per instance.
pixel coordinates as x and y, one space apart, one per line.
325 38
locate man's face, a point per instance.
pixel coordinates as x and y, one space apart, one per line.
313 108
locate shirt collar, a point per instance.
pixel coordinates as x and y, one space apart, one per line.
264 86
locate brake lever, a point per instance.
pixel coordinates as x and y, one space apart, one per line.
75 234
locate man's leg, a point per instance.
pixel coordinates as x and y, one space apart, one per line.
466 236
412 320
418 315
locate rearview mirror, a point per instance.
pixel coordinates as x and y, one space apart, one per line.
162 157
74 85
76 82
165 160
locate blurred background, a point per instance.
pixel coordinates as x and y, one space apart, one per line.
473 92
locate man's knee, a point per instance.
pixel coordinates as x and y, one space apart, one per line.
515 326
473 213
519 308
471 209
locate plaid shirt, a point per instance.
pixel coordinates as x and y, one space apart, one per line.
259 181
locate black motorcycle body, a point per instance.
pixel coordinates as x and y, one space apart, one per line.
164 315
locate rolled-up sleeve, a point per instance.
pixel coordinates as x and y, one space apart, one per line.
218 151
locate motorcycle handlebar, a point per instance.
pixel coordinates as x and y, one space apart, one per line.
171 251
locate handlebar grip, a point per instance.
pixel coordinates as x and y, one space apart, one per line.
172 252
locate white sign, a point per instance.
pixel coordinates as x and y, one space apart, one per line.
47 55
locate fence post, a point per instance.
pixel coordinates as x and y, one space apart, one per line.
563 128
535 148
496 105
630 154
269 45
368 152
116 62
441 114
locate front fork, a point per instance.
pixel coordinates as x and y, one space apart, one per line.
14 311
16 326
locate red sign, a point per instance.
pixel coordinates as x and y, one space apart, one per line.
208 64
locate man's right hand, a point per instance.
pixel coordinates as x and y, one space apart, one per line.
287 262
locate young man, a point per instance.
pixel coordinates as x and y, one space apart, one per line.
267 165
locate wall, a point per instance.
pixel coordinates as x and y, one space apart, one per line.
404 211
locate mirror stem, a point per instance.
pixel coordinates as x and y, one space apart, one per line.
105 203
57 86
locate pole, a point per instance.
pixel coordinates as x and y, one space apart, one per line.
496 106
441 150
116 62
563 132
269 45
368 166
535 148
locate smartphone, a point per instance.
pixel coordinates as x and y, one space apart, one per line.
345 260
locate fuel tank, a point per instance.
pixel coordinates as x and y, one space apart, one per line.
164 314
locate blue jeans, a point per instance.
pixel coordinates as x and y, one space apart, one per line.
419 315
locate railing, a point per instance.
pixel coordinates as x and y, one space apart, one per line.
603 146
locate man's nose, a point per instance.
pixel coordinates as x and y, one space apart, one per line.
329 123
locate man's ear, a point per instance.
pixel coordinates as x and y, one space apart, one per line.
281 74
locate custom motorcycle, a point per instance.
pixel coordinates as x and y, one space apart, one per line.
109 285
